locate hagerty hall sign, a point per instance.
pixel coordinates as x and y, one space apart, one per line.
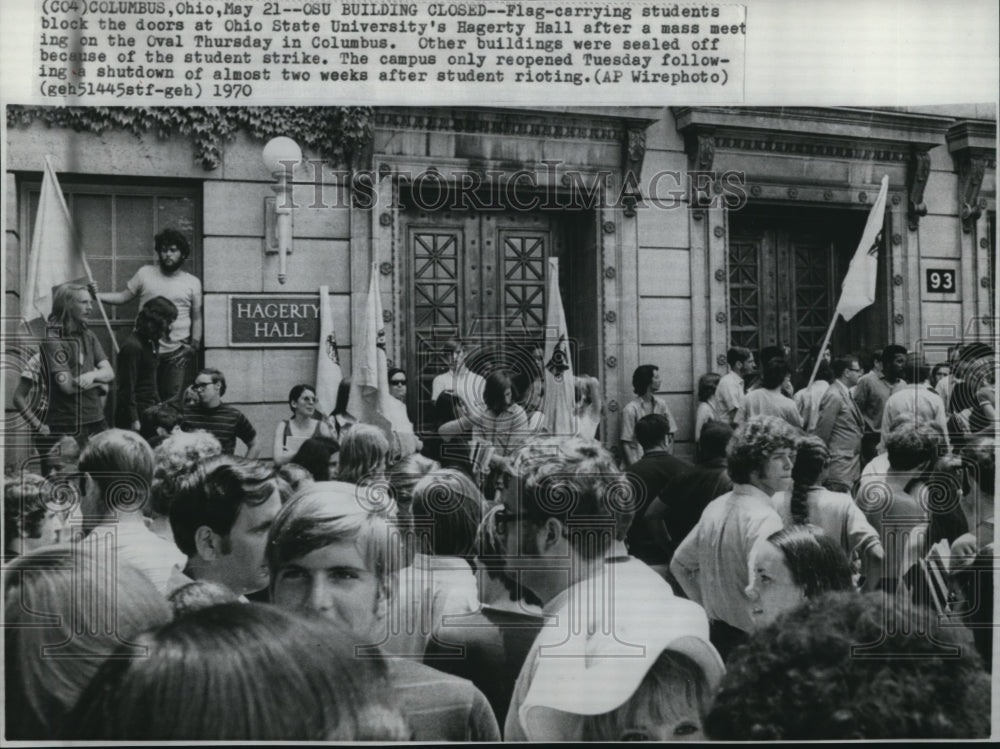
274 320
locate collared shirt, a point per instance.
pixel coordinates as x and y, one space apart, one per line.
137 545
919 402
635 410
836 514
714 563
729 395
764 402
871 393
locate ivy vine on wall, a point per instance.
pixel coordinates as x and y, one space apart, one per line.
339 135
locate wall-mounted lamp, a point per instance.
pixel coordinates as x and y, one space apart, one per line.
280 156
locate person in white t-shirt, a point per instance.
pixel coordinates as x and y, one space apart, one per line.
460 380
179 348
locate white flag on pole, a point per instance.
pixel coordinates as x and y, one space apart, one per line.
54 258
858 290
328 372
560 393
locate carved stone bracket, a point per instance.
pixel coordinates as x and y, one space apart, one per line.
971 170
635 153
700 147
972 144
917 172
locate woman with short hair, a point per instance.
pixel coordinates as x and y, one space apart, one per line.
290 434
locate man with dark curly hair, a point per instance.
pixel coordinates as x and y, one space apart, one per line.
713 562
848 666
179 347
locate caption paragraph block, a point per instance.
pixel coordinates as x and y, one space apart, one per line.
192 51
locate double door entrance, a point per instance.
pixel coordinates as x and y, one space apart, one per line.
482 276
785 272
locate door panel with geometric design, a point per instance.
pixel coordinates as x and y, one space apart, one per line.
479 275
785 273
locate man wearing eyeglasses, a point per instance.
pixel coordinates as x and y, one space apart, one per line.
841 425
563 519
225 422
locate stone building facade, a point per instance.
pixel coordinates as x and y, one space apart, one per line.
678 230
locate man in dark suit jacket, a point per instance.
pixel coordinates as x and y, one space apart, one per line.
655 475
841 425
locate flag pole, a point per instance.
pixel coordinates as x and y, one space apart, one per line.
826 341
83 257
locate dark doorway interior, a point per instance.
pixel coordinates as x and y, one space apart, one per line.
786 267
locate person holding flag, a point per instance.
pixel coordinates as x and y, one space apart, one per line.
559 399
55 308
329 375
858 289
78 369
370 401
857 293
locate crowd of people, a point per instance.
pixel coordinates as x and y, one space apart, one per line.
821 570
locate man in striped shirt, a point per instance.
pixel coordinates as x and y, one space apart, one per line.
211 414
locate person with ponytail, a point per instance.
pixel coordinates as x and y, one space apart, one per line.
834 512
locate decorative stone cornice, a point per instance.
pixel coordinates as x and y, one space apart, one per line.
888 152
888 137
523 123
832 124
972 144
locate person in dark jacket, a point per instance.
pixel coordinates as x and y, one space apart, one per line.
656 475
679 511
138 361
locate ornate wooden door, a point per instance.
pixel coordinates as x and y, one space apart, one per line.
478 275
785 274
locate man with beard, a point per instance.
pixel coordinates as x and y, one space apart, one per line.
178 349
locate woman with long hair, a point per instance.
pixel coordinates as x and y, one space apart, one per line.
138 361
792 566
589 408
707 411
834 512
364 454
498 433
320 456
79 371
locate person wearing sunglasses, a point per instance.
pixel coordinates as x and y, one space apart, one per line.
405 441
211 414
